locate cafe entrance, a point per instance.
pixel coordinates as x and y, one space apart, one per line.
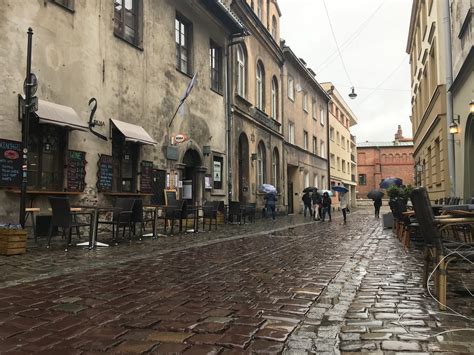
192 176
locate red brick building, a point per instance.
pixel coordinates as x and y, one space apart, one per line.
379 160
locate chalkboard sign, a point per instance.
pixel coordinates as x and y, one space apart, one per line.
170 197
76 170
10 163
146 176
105 173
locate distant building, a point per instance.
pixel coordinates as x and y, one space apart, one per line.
379 160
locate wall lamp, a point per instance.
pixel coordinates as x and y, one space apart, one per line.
454 126
471 106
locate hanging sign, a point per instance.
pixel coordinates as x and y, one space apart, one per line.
217 171
180 138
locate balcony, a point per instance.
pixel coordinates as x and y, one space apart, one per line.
264 119
353 158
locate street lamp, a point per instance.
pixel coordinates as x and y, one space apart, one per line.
352 95
453 127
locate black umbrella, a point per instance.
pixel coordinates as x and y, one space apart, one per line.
310 189
375 194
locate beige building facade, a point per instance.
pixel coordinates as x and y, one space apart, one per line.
462 39
426 48
136 58
305 128
342 146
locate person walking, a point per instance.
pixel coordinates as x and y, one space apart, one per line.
377 205
326 202
270 203
316 199
307 203
343 203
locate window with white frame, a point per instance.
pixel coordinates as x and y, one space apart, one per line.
338 140
305 102
260 79
323 182
316 181
333 161
275 167
314 109
306 179
315 145
322 119
291 133
338 163
183 35
343 166
322 149
274 28
291 88
261 163
331 133
241 71
215 63
305 140
275 99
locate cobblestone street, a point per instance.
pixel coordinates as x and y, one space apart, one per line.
324 288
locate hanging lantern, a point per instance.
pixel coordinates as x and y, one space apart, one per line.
352 95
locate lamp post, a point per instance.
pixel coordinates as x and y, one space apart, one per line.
29 88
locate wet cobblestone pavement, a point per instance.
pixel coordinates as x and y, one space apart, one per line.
262 288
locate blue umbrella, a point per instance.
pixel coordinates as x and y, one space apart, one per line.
391 181
340 189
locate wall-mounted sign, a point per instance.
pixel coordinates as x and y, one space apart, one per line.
217 171
146 176
105 173
10 163
180 138
76 170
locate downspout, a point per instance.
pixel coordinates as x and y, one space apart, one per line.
449 97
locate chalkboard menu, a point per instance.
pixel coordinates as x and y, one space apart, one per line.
105 173
10 163
170 197
146 176
76 170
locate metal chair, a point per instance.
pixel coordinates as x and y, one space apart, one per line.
66 220
235 210
249 212
172 213
121 217
209 211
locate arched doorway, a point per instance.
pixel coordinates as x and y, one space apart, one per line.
468 160
243 170
191 176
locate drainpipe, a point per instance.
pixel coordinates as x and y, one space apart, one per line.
449 97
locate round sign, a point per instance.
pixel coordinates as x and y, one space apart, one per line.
33 81
180 138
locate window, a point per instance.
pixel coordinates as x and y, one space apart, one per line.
305 140
343 143
275 168
217 167
338 163
323 117
343 163
241 71
316 181
291 88
323 182
322 149
315 145
362 179
261 164
437 152
333 161
338 140
260 79
331 133
46 158
291 133
68 4
314 108
215 64
274 28
127 20
305 102
275 99
183 45
260 9
306 179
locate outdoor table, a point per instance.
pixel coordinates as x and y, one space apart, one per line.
93 243
466 207
194 210
156 210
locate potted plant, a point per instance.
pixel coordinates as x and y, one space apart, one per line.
12 239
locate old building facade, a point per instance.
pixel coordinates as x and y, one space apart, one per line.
136 58
379 160
426 48
305 105
342 160
462 39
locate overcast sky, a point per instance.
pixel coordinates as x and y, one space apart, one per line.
372 37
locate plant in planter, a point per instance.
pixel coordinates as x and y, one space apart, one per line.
12 239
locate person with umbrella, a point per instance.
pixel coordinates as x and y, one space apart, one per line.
376 195
270 203
307 202
316 198
343 200
326 202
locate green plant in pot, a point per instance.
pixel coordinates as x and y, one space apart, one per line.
394 192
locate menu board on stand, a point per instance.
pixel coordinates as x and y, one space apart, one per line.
146 176
76 171
10 163
105 173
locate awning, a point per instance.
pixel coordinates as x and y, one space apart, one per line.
59 115
133 133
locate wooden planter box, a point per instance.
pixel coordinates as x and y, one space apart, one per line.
12 241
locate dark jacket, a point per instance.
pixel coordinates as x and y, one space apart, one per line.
316 198
306 198
270 199
327 201
378 202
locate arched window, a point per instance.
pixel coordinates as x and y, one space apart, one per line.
275 99
261 163
274 28
260 86
241 71
275 168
